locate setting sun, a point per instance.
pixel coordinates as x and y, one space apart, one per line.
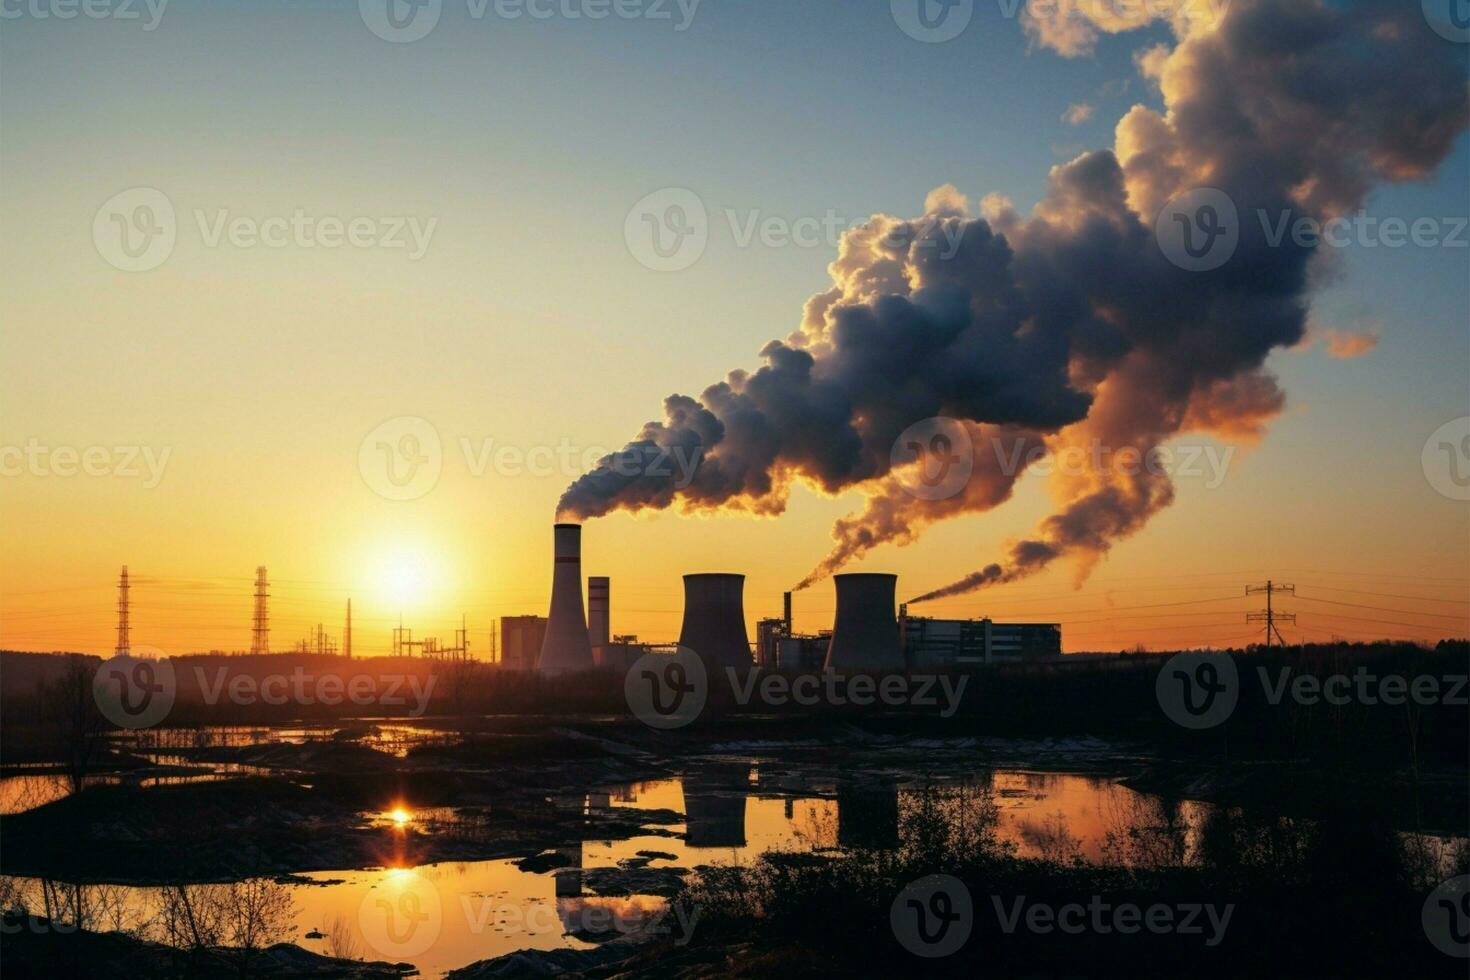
405 580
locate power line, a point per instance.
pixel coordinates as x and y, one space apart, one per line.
1408 612
1269 616
1392 595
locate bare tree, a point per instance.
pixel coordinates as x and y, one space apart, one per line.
257 914
70 715
341 939
242 917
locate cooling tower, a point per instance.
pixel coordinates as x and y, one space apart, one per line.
865 632
714 619
598 611
566 647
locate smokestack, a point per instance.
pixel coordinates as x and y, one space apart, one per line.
598 610
714 619
786 612
865 632
566 647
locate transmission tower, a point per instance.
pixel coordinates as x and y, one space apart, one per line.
124 631
347 633
1269 616
260 641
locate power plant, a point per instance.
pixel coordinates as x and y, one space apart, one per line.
714 619
865 630
866 635
567 647
869 633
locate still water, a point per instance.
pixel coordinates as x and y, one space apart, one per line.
444 916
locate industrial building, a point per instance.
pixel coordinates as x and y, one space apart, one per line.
520 641
929 642
866 634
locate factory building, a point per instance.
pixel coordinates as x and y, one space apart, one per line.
929 642
520 641
770 632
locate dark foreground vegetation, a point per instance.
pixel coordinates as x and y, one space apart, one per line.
1307 899
47 700
1323 841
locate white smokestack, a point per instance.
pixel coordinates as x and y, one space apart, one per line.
566 647
865 632
599 612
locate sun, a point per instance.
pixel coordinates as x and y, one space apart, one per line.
405 580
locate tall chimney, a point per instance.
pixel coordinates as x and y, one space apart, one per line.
865 632
566 647
786 612
598 610
714 619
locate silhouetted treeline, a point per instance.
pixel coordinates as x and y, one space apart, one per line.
1107 696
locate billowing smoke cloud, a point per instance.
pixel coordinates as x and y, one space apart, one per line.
1069 328
1342 345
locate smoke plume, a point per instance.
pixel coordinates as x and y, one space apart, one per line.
1069 327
